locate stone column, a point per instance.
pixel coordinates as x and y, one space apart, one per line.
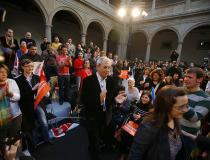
48 28
105 45
187 4
153 6
148 51
124 50
179 50
119 48
83 38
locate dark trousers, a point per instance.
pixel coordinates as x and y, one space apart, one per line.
64 87
14 126
95 130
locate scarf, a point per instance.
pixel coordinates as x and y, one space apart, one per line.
23 50
4 107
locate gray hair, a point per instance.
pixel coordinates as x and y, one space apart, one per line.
103 60
131 79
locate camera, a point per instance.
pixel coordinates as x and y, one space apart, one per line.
8 141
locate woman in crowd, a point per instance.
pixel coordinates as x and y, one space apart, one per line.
86 71
10 114
132 92
141 79
144 105
159 137
156 81
136 115
88 54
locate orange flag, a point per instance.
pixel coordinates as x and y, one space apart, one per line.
123 74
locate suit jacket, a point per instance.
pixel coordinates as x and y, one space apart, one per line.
151 143
26 102
90 97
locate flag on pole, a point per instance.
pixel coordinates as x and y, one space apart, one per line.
44 87
42 76
15 70
38 66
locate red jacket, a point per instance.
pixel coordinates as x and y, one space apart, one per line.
78 66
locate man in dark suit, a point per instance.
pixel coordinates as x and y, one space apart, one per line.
97 97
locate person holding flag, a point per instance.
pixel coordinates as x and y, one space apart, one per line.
29 84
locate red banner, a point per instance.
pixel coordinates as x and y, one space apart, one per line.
130 127
123 74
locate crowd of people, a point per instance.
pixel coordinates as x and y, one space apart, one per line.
167 102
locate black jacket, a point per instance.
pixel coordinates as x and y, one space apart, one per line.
26 102
90 97
151 143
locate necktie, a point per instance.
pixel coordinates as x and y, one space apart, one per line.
102 89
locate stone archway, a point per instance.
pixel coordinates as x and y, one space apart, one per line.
95 34
163 42
137 45
113 41
66 25
22 17
196 44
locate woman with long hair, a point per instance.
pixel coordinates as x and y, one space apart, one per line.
144 106
156 82
159 136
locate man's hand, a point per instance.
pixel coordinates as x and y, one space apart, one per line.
10 151
141 82
137 116
188 134
120 98
35 87
103 96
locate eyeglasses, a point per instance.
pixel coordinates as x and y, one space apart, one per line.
182 107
